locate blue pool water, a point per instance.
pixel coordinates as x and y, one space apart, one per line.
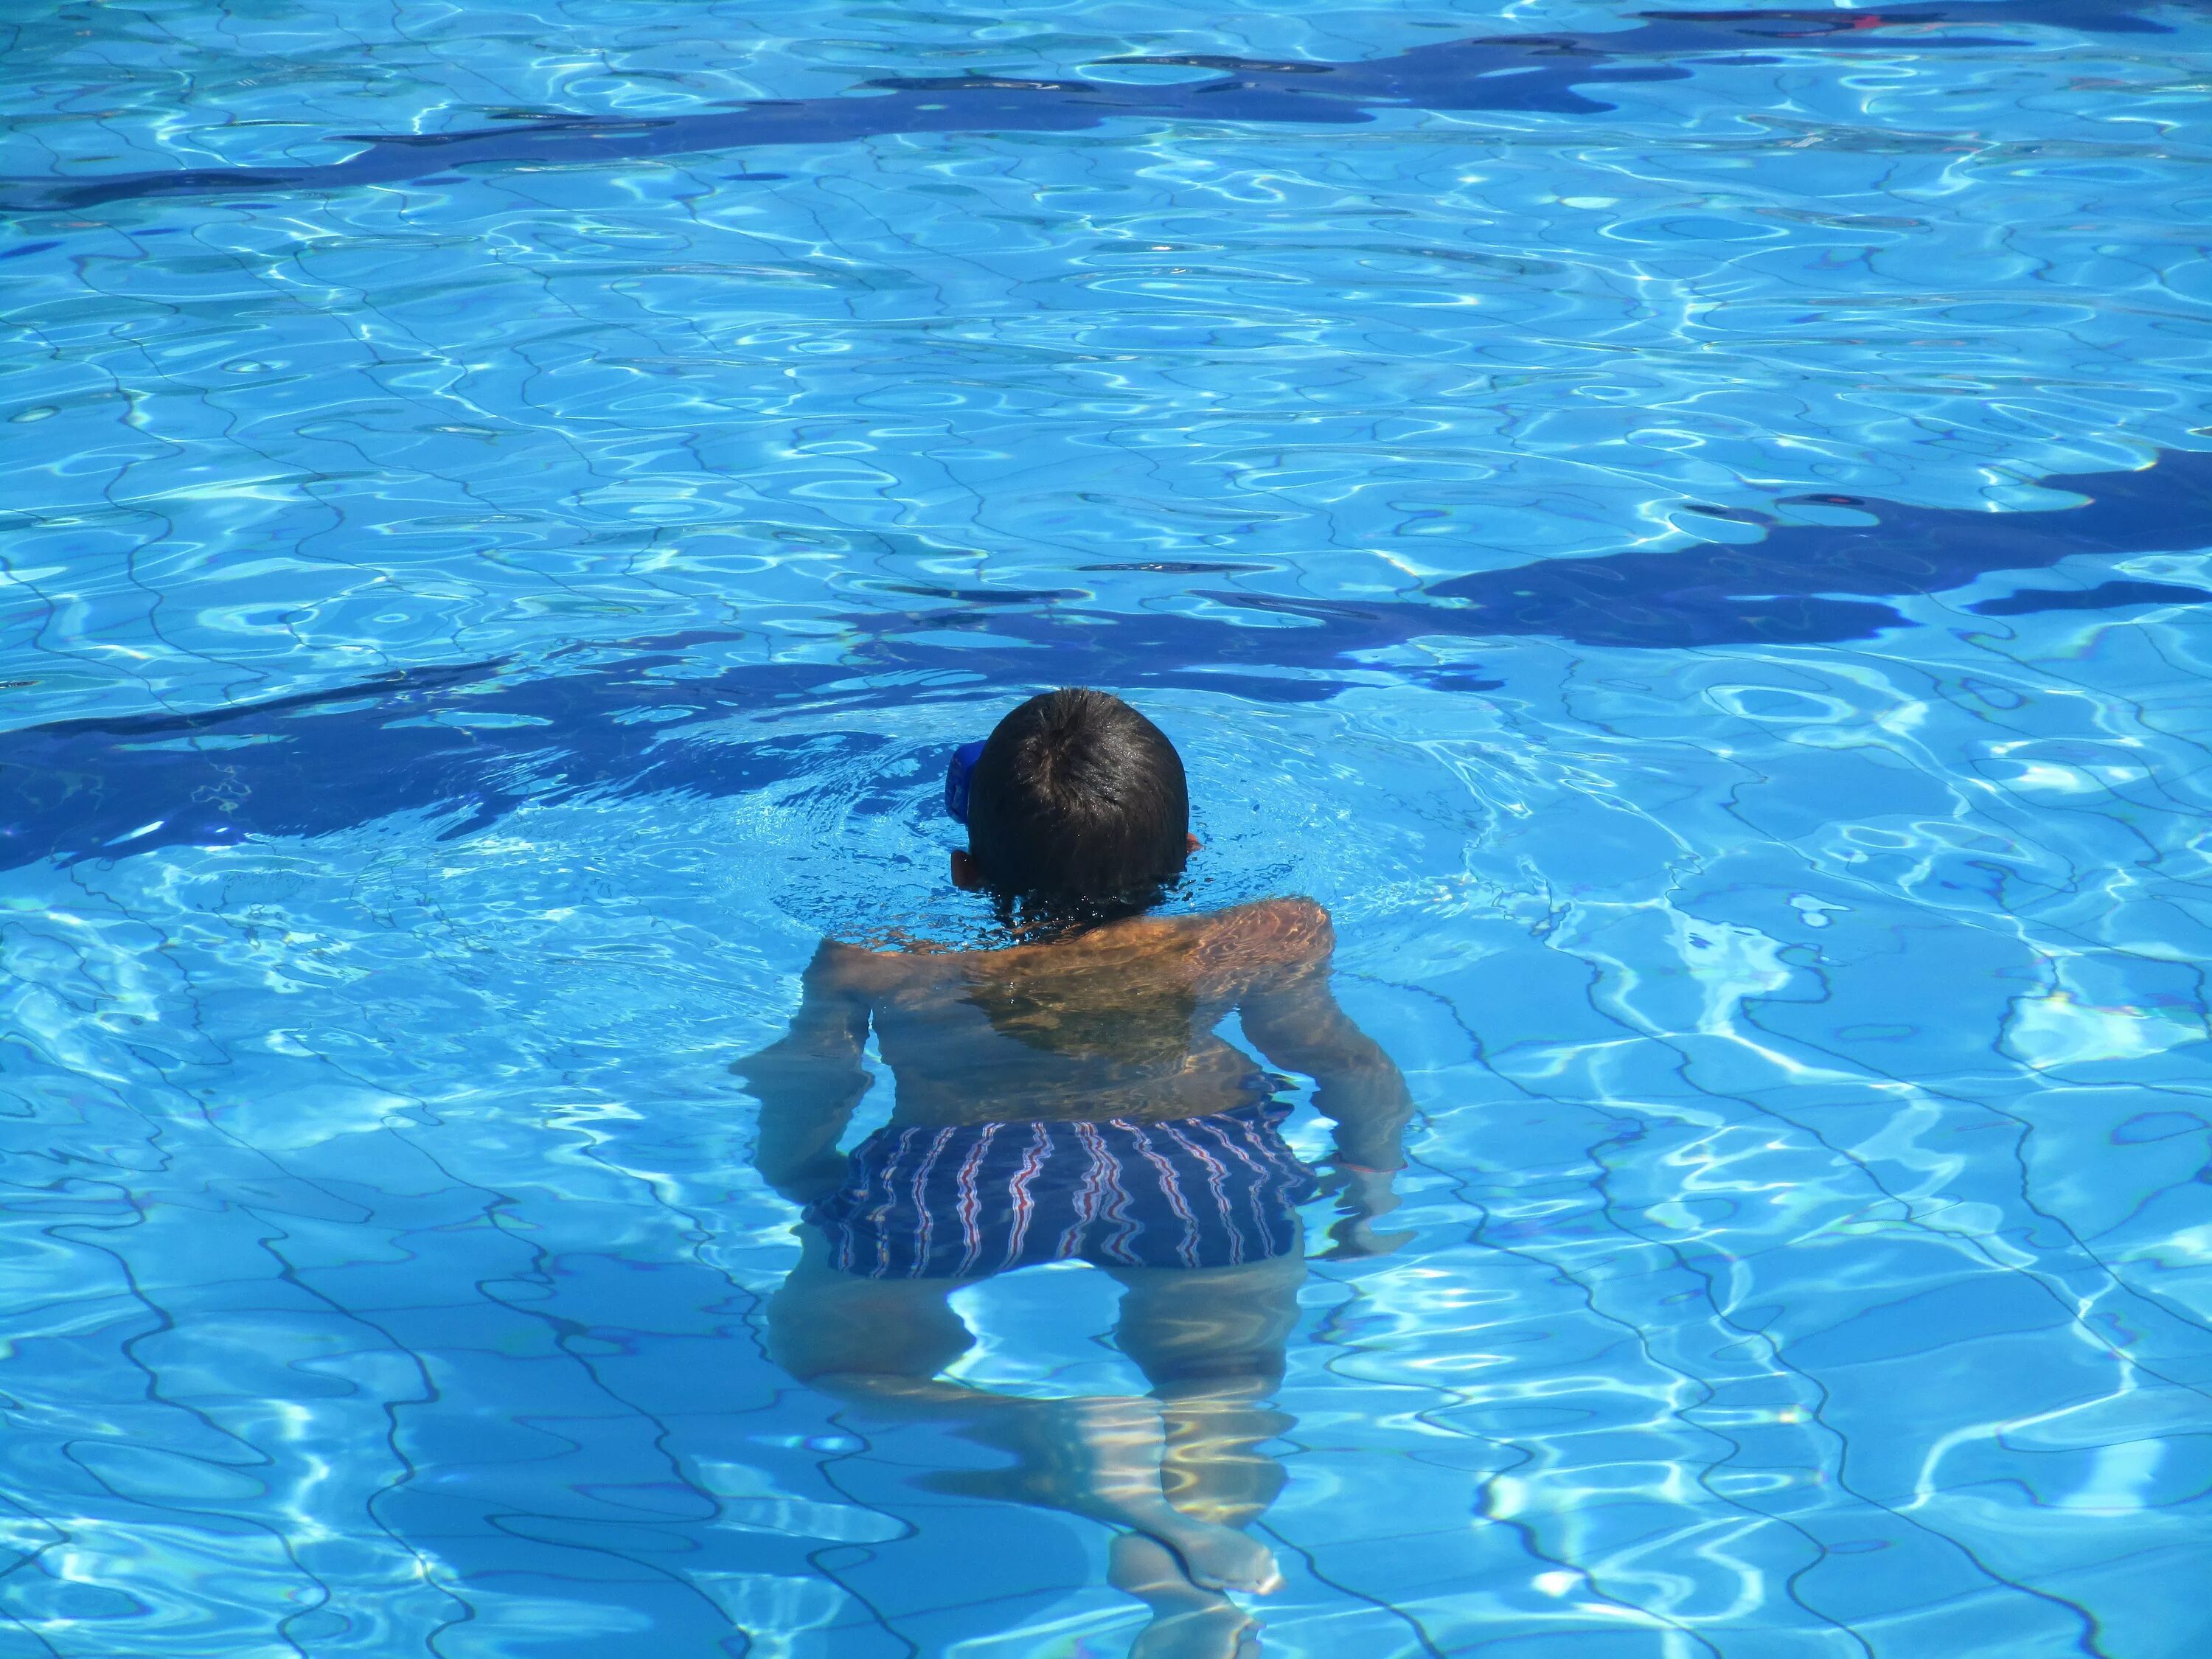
1689 534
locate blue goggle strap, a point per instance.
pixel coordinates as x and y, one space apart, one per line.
957 773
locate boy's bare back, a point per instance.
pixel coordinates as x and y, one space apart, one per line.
1118 1022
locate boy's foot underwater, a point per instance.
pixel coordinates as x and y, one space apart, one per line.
1187 1622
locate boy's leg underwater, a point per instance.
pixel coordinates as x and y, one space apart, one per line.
823 1322
881 1343
1210 1341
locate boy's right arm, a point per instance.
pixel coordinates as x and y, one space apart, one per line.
809 1080
1293 1018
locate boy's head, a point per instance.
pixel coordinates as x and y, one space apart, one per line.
1076 800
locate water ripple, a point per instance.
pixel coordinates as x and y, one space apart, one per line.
1707 588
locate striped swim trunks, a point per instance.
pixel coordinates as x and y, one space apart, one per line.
969 1199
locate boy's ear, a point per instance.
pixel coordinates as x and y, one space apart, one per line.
1191 843
965 875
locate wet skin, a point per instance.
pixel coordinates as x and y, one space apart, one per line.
1118 1023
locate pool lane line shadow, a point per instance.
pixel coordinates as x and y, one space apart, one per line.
472 742
1537 72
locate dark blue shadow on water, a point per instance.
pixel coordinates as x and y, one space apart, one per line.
1811 583
472 742
1530 72
2106 596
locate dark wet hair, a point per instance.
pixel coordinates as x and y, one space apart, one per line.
1078 807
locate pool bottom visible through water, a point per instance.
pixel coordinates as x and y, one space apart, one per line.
1683 535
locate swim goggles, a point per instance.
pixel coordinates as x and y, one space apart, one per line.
956 775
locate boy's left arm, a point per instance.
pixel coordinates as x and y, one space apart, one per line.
810 1080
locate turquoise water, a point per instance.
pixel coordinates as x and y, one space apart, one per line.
1688 536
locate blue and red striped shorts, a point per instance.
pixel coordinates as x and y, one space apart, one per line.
969 1200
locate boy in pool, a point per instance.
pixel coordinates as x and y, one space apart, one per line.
1067 1099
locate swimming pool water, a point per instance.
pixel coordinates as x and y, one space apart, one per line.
1687 533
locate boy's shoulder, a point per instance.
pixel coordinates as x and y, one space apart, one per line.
1267 934
1278 932
842 968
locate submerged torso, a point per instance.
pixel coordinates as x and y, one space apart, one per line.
1118 1023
